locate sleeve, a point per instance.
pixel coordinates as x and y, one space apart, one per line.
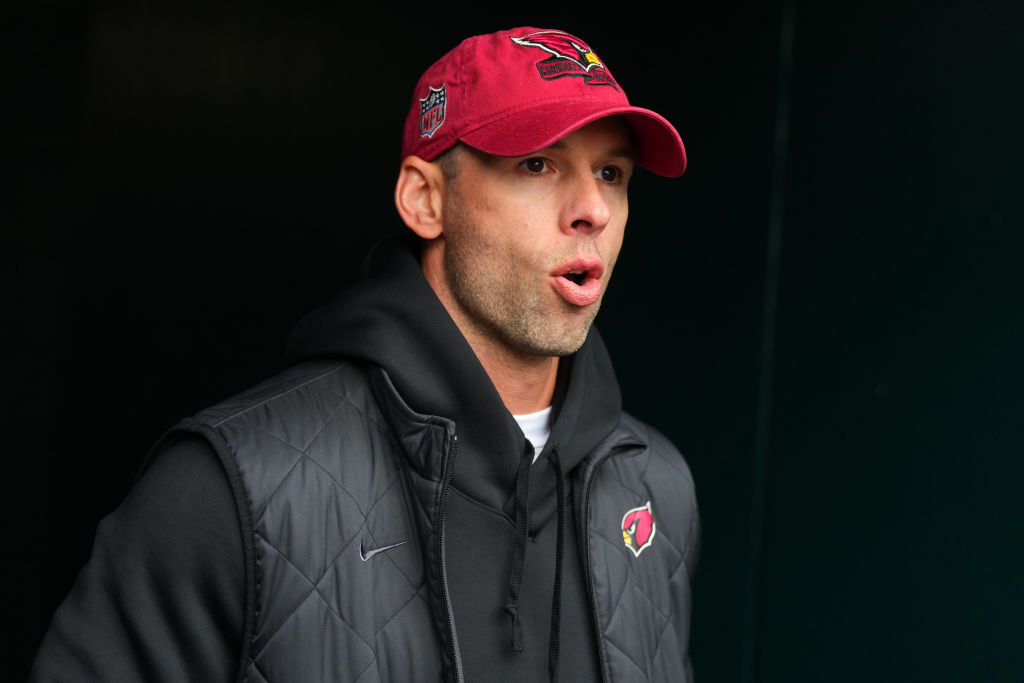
162 596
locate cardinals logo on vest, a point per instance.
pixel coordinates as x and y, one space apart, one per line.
638 529
570 56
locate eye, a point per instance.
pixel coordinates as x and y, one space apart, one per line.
534 165
610 174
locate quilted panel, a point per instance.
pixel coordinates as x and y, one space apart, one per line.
329 648
400 652
368 594
321 469
643 602
286 513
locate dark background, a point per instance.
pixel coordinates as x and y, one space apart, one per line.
824 313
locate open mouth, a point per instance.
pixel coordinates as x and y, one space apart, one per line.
576 276
578 280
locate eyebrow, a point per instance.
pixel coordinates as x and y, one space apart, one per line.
625 152
622 152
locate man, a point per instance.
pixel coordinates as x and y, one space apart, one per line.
443 485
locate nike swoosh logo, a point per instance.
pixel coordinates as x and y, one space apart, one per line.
364 555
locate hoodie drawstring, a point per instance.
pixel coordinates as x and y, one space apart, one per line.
522 494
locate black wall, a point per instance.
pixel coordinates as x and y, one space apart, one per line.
824 313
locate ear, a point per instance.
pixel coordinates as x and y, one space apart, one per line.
419 195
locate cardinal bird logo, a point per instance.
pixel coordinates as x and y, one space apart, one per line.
570 56
638 529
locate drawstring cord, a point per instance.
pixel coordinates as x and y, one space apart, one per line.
519 559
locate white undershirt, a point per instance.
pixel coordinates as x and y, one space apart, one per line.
537 428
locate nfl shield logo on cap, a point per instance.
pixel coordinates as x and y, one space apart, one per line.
432 108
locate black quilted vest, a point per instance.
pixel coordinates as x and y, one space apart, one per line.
327 459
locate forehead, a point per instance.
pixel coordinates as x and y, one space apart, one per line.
609 135
604 138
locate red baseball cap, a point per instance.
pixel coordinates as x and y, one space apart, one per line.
515 92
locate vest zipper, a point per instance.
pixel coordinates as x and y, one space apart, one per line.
588 572
442 514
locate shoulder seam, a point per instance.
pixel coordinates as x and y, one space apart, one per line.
279 394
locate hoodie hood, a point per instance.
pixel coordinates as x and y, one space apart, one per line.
393 319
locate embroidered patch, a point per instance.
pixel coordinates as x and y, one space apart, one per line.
432 110
570 56
638 528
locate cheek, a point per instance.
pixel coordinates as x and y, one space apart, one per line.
502 231
613 237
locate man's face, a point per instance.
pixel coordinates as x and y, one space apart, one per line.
530 242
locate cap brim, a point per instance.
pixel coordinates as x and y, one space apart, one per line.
656 143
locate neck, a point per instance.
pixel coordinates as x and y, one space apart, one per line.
526 383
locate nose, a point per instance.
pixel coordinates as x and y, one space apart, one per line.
586 208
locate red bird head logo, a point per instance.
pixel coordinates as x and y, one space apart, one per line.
638 528
570 56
